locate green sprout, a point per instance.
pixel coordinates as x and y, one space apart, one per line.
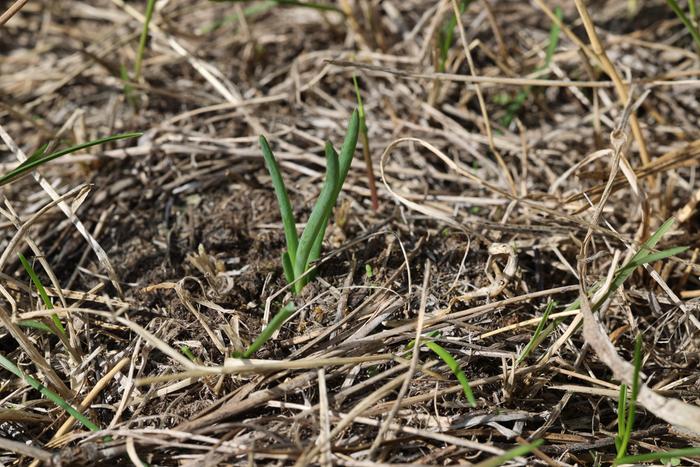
626 413
142 40
449 360
41 290
446 36
671 456
514 106
510 455
687 22
540 333
302 251
46 392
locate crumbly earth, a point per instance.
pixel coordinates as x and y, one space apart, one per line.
188 220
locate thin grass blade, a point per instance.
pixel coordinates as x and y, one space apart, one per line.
31 164
150 5
449 360
535 336
41 291
659 456
510 455
643 256
34 324
287 267
447 35
685 20
52 396
39 153
296 3
621 416
632 408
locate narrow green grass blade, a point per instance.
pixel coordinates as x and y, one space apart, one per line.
275 323
347 151
295 3
510 455
656 256
256 8
643 256
319 215
632 408
39 153
685 20
553 39
516 104
454 367
626 271
142 40
659 456
187 352
290 229
447 35
52 396
29 165
42 292
535 336
37 282
128 88
34 324
621 416
655 238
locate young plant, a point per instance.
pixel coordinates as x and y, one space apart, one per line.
626 413
38 158
446 36
689 23
452 364
540 333
41 290
510 455
138 62
52 396
514 106
673 456
302 251
150 5
642 257
450 361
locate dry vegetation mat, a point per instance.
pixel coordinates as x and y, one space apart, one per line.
352 232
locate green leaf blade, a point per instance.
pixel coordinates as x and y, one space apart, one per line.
32 163
319 216
290 229
52 396
453 365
